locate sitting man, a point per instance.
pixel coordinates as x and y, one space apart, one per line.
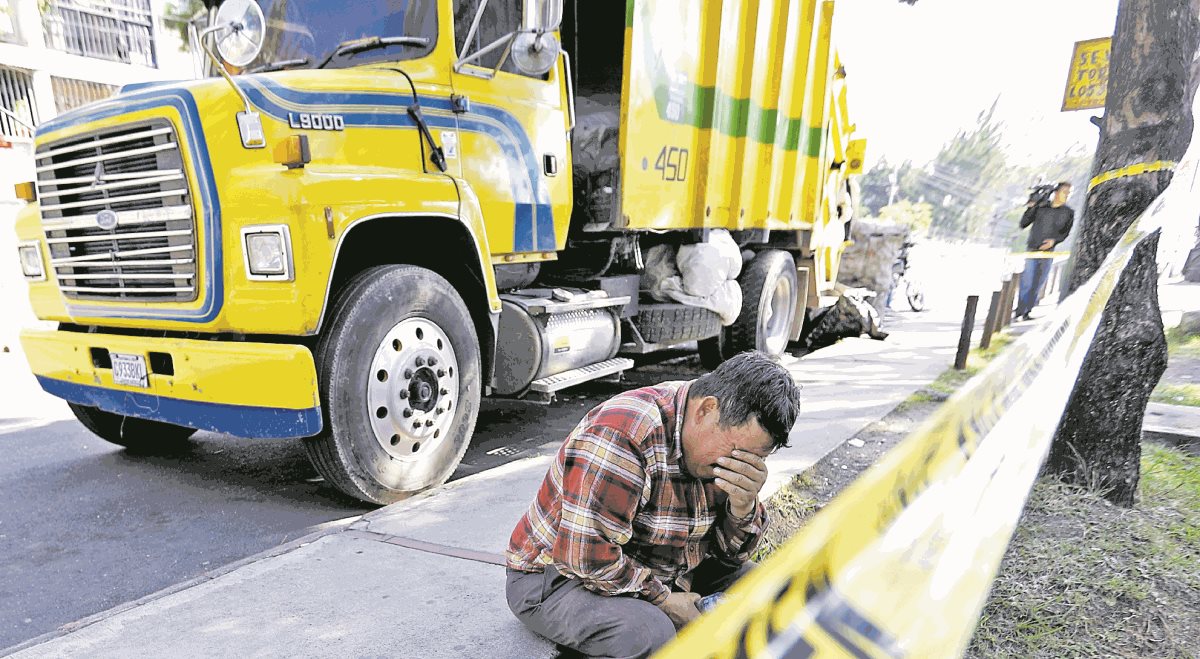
650 504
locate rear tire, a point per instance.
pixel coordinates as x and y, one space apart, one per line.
915 296
769 286
399 372
141 436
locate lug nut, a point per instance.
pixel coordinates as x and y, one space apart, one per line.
441 373
407 413
444 392
438 411
433 361
429 423
420 361
403 394
408 374
417 425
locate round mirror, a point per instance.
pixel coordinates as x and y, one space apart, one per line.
240 40
535 54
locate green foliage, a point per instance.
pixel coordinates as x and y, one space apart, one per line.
961 180
1177 394
885 184
1181 345
876 186
178 15
916 216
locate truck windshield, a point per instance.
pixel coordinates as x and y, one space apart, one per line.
302 33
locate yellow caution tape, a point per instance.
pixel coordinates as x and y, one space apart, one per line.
901 562
1131 170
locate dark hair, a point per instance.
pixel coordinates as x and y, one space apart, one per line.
751 384
1061 185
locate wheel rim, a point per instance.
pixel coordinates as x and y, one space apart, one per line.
776 323
412 389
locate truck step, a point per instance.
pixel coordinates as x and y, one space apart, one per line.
576 376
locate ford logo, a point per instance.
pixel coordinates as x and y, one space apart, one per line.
106 219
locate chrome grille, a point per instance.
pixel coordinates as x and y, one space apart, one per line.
136 172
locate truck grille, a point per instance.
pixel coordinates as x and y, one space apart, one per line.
135 171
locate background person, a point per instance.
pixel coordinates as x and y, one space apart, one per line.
650 504
1050 223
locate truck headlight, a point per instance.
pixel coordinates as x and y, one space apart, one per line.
268 252
30 254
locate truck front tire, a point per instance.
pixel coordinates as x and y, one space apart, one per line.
141 436
399 372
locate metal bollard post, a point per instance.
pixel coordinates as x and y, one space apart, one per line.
989 325
1006 304
964 338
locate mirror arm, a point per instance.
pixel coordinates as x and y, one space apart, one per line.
472 31
220 67
505 41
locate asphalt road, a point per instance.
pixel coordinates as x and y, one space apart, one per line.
85 526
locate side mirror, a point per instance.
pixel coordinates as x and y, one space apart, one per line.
239 27
535 49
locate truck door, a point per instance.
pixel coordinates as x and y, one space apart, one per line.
512 136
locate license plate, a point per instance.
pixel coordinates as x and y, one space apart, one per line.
129 370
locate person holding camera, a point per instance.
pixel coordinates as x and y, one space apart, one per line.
1050 219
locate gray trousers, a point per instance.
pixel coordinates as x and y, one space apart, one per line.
577 619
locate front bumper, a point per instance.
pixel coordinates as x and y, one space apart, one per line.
253 390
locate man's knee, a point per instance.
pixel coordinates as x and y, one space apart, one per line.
642 636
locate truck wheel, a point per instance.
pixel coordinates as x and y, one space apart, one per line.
768 305
141 436
400 384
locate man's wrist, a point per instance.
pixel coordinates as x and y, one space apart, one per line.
735 516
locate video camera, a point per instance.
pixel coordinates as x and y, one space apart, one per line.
1040 194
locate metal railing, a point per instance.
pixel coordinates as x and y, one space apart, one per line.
16 96
116 30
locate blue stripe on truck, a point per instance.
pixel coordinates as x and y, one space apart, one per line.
238 420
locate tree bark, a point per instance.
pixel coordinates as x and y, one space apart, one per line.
1147 118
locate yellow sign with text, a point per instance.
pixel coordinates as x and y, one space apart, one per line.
1087 82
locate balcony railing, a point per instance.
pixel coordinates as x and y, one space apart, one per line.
116 30
16 96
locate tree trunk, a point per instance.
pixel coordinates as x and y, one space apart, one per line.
1148 118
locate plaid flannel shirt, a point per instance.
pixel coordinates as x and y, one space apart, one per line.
618 512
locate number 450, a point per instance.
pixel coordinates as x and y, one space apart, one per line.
672 162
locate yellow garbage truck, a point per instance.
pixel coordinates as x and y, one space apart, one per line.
374 214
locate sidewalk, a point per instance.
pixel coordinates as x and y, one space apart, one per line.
425 577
